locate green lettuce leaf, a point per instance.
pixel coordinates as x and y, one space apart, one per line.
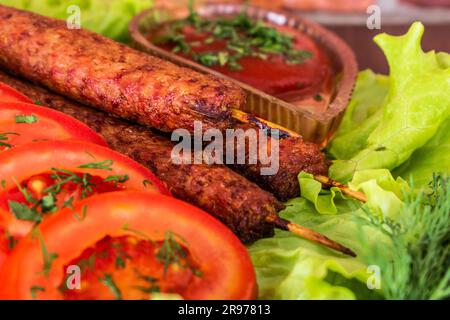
416 105
289 267
325 201
362 116
433 157
443 59
109 18
384 193
360 120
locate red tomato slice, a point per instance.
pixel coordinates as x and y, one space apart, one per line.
54 179
6 243
22 123
9 94
165 244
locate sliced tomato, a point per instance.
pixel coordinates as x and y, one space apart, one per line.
9 94
22 122
128 246
38 179
7 243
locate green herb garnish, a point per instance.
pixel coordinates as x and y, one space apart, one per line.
120 262
24 191
117 179
69 203
23 212
108 281
318 97
12 242
4 137
244 38
64 176
137 232
171 252
147 183
103 165
34 209
26 119
87 263
48 257
48 203
122 256
152 286
34 290
83 214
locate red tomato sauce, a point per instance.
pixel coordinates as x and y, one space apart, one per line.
309 80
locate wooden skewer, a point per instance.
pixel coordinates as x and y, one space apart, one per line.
287 225
308 234
248 118
326 182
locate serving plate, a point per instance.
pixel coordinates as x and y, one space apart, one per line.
313 126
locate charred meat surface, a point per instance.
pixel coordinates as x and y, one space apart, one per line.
294 155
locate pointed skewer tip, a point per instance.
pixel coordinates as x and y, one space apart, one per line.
308 234
328 183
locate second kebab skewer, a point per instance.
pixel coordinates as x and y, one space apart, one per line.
250 212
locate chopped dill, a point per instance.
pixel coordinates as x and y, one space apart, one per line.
417 265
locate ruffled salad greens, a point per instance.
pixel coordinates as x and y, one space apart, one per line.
394 145
415 106
112 22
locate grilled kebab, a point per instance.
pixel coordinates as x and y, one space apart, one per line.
250 212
